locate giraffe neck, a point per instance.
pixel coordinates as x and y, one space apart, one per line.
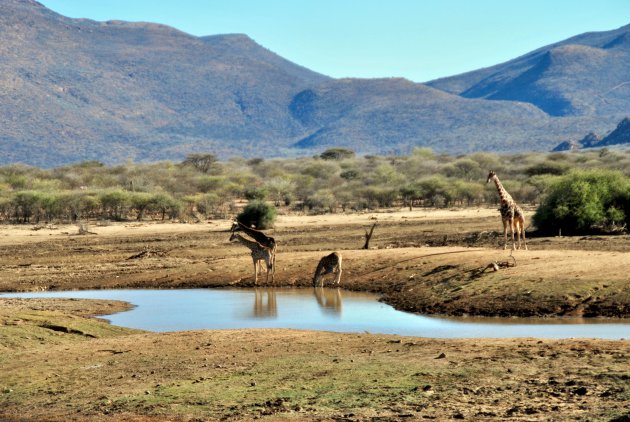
506 198
247 243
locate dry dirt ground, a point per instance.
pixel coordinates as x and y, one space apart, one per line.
422 261
59 364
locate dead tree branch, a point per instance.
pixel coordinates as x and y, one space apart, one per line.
368 236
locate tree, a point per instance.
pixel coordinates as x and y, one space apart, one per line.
468 192
258 214
548 167
436 191
584 202
140 201
465 168
337 154
350 174
409 194
26 204
322 200
115 203
280 190
255 192
202 162
165 204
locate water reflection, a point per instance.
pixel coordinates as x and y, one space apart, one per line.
319 309
329 300
265 303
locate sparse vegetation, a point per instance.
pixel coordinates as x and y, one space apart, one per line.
335 181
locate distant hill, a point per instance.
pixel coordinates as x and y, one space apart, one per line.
393 115
586 75
619 136
76 89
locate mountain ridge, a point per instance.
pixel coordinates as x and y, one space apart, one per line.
78 89
618 136
547 72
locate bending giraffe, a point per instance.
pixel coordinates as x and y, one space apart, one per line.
328 264
259 253
511 214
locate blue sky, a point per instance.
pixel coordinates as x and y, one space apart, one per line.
420 40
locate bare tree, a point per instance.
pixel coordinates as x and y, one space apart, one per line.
368 236
202 162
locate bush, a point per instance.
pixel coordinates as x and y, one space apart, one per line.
255 193
258 214
547 167
337 154
585 202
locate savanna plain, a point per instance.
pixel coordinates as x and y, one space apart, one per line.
61 362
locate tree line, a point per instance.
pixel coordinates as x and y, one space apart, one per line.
337 180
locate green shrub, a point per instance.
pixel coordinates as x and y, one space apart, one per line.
585 202
255 193
258 214
350 174
548 167
337 154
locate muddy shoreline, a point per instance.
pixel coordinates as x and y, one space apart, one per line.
425 262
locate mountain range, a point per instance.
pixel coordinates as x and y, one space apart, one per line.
77 89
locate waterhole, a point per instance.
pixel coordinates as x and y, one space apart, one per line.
320 309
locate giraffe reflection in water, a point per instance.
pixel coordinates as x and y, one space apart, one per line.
265 303
329 300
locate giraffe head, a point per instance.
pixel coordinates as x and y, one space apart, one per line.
490 176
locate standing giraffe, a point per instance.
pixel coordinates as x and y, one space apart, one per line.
259 253
266 241
511 214
328 264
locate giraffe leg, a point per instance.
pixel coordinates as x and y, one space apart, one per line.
338 279
504 234
316 278
512 232
273 265
255 272
523 233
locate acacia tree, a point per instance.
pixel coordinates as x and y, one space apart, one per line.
202 162
337 154
140 201
26 205
165 204
115 203
409 193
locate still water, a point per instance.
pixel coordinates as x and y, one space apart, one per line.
319 309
